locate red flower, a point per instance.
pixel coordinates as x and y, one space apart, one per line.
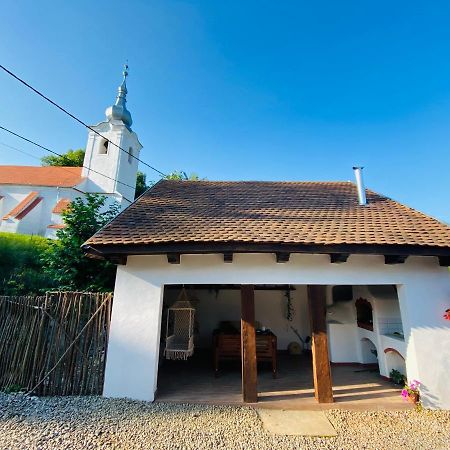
447 314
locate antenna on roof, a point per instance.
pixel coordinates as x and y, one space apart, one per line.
360 185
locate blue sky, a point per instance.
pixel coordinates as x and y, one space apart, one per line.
233 90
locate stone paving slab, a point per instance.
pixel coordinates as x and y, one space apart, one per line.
296 423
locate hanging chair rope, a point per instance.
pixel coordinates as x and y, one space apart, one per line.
180 329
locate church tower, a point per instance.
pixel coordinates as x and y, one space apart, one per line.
108 168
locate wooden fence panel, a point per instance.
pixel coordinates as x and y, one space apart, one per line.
55 345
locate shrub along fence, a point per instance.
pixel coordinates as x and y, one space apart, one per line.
54 344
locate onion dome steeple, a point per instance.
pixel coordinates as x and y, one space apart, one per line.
119 111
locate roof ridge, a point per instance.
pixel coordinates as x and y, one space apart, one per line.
258 181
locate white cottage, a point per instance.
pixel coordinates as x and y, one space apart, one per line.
265 266
32 198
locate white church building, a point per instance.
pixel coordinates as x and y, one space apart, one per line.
32 198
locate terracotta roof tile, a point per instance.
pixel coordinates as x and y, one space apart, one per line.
62 204
320 213
24 207
41 176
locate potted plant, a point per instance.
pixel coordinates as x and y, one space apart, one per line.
410 392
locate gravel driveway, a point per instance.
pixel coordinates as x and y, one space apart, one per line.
98 423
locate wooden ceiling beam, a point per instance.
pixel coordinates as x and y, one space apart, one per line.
394 259
283 257
444 261
336 258
120 260
228 257
173 258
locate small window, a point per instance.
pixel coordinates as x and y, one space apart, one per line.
103 149
130 155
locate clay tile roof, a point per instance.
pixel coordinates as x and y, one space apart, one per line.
24 207
62 204
40 176
303 213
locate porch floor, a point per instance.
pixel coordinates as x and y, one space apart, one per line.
354 386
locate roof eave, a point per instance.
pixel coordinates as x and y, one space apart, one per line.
113 250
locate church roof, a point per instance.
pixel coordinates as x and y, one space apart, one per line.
40 176
62 204
313 216
24 207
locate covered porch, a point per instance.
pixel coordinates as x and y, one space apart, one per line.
307 328
357 387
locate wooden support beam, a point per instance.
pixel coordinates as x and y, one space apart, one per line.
444 261
119 260
394 259
323 389
339 257
173 258
228 257
248 345
283 257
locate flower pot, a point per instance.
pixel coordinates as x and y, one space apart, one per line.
413 398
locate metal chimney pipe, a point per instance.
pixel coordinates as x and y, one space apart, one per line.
360 185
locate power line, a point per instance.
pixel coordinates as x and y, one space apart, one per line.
61 167
77 119
58 154
39 159
20 150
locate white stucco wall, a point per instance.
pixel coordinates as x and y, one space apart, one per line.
424 294
343 342
113 165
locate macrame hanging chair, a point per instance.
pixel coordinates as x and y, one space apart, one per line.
180 329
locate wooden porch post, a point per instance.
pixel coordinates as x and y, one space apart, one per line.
323 390
248 345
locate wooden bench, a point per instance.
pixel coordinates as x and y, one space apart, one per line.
228 346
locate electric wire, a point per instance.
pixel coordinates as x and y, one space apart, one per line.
77 119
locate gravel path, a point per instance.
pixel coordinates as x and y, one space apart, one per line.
97 423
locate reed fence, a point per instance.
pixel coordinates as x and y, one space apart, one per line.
55 344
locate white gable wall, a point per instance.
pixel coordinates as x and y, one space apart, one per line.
424 294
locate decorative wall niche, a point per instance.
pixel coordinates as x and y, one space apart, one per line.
364 314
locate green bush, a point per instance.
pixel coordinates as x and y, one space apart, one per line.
397 377
21 271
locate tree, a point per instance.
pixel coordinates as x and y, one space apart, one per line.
141 185
73 158
182 175
65 262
